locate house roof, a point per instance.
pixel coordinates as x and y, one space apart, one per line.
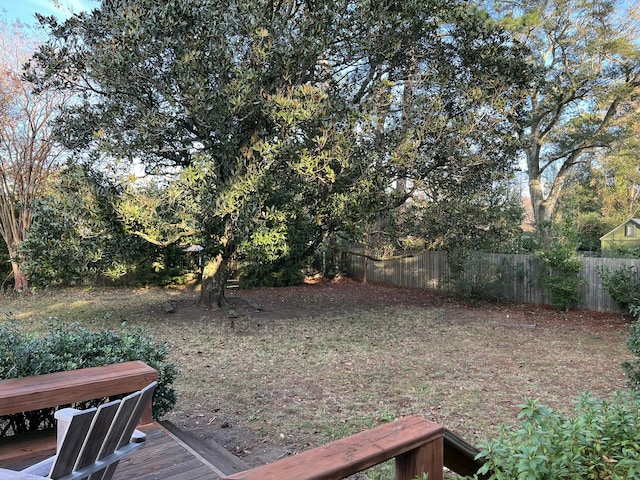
635 221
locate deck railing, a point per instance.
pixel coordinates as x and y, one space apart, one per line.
63 388
416 444
419 447
25 394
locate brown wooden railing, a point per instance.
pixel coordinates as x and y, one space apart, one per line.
63 388
460 456
418 446
416 443
19 395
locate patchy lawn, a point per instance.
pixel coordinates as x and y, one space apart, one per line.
321 361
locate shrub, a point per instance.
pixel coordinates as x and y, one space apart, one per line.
632 368
602 440
623 284
5 267
561 279
271 275
483 280
69 346
622 252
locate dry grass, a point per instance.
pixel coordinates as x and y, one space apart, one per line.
320 362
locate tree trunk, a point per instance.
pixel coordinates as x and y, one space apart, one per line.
214 279
544 206
21 283
365 265
540 211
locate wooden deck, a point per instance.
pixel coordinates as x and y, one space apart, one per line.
174 454
169 454
417 444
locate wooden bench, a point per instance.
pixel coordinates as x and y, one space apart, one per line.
19 395
416 443
91 442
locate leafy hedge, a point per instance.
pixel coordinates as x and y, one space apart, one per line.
623 284
69 346
632 368
602 440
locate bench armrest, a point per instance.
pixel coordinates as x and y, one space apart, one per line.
138 437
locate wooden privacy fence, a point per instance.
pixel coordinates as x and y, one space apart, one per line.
515 278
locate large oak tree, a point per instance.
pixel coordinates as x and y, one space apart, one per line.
587 53
289 122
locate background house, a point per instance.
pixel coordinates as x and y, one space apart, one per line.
625 235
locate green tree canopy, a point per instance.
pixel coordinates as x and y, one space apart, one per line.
588 60
604 192
78 234
620 186
290 121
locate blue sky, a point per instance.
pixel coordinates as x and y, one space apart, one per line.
24 10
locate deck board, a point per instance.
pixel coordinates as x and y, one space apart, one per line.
168 457
165 456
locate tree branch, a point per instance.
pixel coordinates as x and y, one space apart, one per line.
166 243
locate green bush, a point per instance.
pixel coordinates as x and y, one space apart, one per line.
561 279
622 252
632 368
5 267
602 440
480 280
271 275
69 346
623 284
485 280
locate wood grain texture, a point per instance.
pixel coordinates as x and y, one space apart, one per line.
164 457
64 388
358 452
